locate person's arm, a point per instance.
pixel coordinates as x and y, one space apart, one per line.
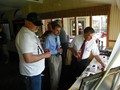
30 58
100 61
77 54
26 46
95 52
72 47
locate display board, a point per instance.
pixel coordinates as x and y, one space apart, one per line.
109 83
113 60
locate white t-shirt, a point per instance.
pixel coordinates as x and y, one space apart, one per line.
89 46
27 42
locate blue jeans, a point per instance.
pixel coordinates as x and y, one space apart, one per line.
32 82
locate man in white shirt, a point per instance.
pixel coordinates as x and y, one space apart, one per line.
31 54
80 58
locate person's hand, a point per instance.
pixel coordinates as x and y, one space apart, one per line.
100 61
103 66
48 53
59 50
77 54
47 50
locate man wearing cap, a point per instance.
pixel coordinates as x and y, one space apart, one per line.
31 55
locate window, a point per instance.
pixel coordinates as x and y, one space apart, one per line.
99 23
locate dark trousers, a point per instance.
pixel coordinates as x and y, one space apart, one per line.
4 54
32 82
64 53
78 66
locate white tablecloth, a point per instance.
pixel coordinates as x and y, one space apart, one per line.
87 71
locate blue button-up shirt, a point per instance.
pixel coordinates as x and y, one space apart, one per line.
52 44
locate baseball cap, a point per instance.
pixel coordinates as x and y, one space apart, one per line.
34 18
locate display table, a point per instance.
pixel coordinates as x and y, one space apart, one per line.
93 68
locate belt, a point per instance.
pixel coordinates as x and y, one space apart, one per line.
56 54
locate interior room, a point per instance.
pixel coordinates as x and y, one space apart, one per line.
76 15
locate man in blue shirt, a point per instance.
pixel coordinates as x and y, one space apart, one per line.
64 42
52 43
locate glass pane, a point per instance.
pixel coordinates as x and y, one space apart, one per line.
44 26
99 23
82 22
69 27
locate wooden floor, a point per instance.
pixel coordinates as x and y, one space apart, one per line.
10 77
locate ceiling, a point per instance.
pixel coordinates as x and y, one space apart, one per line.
13 4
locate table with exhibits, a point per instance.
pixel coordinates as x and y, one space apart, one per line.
93 68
